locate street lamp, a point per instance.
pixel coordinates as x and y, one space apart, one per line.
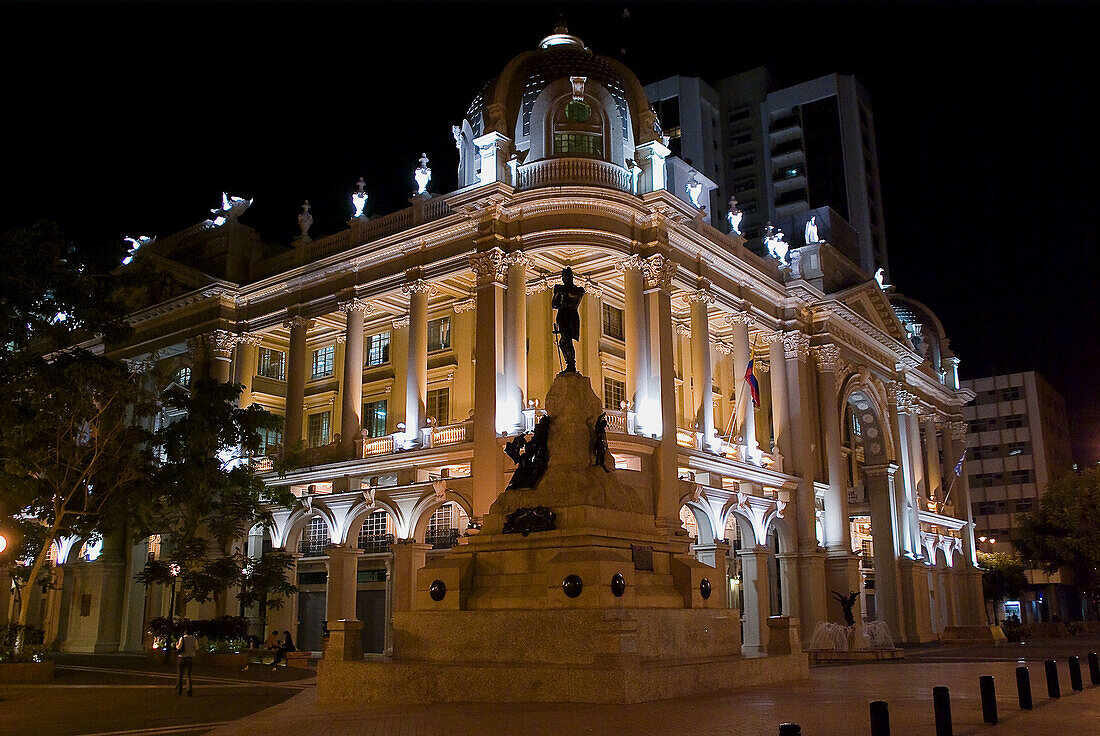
173 573
3 543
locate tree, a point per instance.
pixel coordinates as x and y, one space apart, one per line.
74 456
264 583
1002 577
208 494
1064 532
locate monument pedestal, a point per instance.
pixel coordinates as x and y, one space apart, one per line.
593 604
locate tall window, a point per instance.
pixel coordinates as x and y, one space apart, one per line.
374 418
439 404
612 322
439 334
271 441
578 130
378 349
614 393
377 533
183 378
314 537
319 426
272 364
442 527
322 362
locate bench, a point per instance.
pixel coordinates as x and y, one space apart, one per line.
298 659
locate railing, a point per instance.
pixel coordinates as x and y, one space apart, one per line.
312 547
687 438
531 417
373 446
451 434
562 171
441 538
376 543
621 422
857 494
262 463
322 455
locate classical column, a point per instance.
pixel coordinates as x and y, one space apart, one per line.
515 338
660 410
351 388
885 528
932 463
651 156
634 334
900 399
244 368
971 600
221 355
416 372
702 371
756 587
916 452
295 380
199 348
838 536
742 353
486 466
781 418
342 566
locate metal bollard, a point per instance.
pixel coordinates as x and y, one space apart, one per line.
1094 668
880 718
989 699
790 729
941 703
1075 674
1023 685
1053 691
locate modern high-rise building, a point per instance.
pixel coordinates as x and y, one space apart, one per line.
786 154
1018 440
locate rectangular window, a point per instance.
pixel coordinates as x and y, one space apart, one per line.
1023 505
1015 421
374 418
738 113
742 161
740 139
319 426
438 405
744 185
1011 394
612 322
586 144
271 441
322 362
272 364
1016 477
614 393
378 349
439 334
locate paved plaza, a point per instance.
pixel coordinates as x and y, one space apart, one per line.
120 696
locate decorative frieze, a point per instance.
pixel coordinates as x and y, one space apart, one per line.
658 272
401 322
723 348
739 318
957 430
298 321
630 263
466 305
488 267
900 397
683 330
517 258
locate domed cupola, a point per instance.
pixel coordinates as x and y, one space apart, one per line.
560 114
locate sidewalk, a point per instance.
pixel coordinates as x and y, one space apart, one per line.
833 702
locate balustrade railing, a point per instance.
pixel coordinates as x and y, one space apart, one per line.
376 543
373 446
582 171
687 438
441 538
451 434
312 547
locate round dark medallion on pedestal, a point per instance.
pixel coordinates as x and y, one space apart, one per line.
618 585
437 590
572 586
704 588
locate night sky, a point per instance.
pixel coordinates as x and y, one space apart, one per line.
132 118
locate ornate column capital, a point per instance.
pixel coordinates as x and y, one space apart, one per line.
739 318
764 366
702 295
249 338
897 394
723 348
658 272
215 344
356 305
827 357
796 344
488 266
517 258
683 330
298 321
401 322
957 430
466 305
418 286
632 262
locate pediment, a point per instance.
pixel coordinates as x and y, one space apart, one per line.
152 279
868 301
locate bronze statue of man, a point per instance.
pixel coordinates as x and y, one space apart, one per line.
567 323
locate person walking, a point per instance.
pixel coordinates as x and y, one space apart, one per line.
188 647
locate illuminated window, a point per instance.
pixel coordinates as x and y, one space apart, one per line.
154 547
320 425
612 322
439 334
578 130
183 378
322 362
374 418
378 349
443 526
438 405
272 364
614 393
271 441
377 533
314 537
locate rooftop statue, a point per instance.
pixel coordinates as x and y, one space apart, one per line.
422 175
232 208
735 215
880 277
305 221
359 199
811 231
567 322
777 246
694 189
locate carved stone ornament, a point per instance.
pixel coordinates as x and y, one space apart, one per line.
440 488
723 348
702 295
630 263
466 305
827 357
527 520
957 430
739 318
796 344
763 366
401 322
298 321
137 366
683 330
488 267
517 258
221 343
418 286
356 305
659 272
249 338
899 396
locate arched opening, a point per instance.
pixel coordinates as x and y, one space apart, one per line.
377 533
315 538
578 129
689 524
446 524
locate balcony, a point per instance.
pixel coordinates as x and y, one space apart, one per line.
441 538
556 172
376 543
312 547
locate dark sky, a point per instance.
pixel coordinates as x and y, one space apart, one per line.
132 118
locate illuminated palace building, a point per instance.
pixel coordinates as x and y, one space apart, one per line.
405 351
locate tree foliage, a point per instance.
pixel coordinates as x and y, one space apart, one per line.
1064 532
1002 575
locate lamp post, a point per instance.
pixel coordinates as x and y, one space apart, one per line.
173 573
